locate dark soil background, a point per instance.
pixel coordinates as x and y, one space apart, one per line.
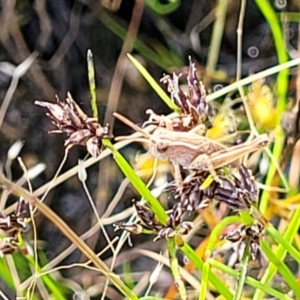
62 31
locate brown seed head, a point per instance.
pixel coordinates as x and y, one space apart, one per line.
194 108
68 117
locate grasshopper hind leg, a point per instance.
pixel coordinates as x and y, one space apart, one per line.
203 163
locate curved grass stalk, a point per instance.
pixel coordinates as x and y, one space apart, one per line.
163 9
217 231
213 279
268 72
66 230
279 41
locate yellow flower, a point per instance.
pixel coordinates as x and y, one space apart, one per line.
261 104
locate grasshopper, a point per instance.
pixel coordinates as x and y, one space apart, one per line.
193 151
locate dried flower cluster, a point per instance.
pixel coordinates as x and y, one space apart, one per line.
10 228
68 117
252 233
194 110
147 222
228 182
238 190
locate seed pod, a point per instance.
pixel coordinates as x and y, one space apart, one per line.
68 117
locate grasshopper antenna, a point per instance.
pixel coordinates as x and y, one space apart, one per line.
131 125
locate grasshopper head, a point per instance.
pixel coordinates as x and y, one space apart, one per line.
159 148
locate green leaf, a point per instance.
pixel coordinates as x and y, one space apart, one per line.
163 9
156 87
213 279
138 184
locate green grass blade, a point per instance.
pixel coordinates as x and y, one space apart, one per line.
166 63
279 41
217 231
92 83
249 280
243 273
213 279
138 184
281 240
289 234
163 8
156 87
204 281
5 273
282 268
217 35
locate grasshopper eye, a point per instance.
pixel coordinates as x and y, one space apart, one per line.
162 147
263 140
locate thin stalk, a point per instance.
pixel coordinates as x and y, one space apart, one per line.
249 280
217 34
92 83
46 279
67 231
213 279
217 231
175 269
204 281
282 88
240 40
56 175
243 273
245 81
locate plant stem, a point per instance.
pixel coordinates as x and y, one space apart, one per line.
66 230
